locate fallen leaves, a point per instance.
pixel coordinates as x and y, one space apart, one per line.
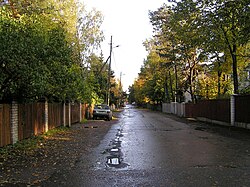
32 162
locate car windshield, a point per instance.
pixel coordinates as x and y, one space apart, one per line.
102 107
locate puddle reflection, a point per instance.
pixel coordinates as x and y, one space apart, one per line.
115 157
113 161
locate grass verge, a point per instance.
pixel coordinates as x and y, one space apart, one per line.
30 144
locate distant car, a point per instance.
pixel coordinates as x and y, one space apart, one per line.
102 111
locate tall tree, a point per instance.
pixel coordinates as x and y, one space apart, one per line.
176 27
228 22
43 55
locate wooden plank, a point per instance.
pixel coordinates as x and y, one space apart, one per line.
75 113
55 115
5 131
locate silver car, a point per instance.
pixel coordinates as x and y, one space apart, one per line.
102 111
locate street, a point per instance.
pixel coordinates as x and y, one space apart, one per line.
148 148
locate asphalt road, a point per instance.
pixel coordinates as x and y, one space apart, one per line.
153 149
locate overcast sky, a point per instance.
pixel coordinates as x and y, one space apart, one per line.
128 23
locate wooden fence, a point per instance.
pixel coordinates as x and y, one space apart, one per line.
36 118
218 110
75 112
234 111
5 135
55 113
31 120
242 109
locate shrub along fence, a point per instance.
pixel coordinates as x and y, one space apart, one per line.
20 121
231 112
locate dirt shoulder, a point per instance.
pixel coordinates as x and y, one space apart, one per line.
62 150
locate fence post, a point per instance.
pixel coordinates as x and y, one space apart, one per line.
232 109
46 115
182 109
80 112
69 114
14 122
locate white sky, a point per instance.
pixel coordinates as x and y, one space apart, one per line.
127 21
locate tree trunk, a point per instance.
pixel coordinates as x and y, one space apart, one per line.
219 72
171 86
166 98
176 77
235 73
233 50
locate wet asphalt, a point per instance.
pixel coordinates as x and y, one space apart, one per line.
148 148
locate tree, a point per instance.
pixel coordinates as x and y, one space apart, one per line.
227 22
89 33
131 96
99 76
43 57
179 41
200 39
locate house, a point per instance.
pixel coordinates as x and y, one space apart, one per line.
244 83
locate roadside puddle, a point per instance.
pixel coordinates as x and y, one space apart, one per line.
113 161
91 127
115 157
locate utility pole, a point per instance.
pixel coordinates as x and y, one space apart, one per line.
120 90
109 73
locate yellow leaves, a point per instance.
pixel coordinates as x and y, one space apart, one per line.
146 99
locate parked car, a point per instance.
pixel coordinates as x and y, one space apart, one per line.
102 111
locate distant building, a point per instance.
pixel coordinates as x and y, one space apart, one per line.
244 82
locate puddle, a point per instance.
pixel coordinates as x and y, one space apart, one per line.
113 161
92 127
200 128
114 150
203 137
116 143
119 134
115 157
116 162
201 166
117 139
